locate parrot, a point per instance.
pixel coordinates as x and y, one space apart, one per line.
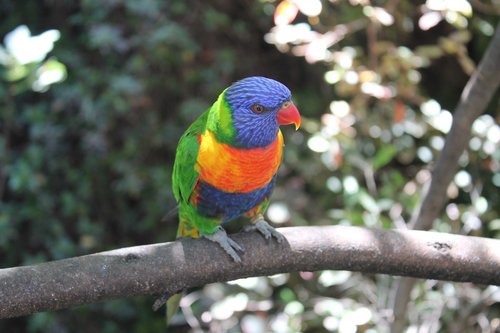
226 163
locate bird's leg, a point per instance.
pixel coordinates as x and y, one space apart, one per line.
229 245
258 223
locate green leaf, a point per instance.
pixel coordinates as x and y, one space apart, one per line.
384 156
368 203
16 73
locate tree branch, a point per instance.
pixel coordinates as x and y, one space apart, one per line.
171 267
475 98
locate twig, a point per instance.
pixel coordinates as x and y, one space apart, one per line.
169 267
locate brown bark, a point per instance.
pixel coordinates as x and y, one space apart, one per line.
170 267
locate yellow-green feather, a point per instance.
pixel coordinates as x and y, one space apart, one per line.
220 120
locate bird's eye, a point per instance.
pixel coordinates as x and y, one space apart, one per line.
286 104
257 108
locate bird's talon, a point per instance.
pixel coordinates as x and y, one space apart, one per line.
229 245
265 229
236 246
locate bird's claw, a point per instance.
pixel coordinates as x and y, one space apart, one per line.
265 229
229 245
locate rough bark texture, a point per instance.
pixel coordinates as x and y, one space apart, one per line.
170 267
476 96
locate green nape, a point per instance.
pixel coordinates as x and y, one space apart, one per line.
220 120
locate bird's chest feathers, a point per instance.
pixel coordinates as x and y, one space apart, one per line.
237 170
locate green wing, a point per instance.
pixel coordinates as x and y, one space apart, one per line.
184 175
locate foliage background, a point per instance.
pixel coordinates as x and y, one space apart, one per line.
85 163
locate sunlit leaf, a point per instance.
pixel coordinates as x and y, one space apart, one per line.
285 12
377 90
294 308
368 203
383 16
16 73
494 224
52 71
351 185
30 49
429 20
309 8
318 144
329 306
329 278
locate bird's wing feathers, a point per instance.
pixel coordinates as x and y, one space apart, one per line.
184 175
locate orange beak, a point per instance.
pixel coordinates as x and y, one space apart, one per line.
289 115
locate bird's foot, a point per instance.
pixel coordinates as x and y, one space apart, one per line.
259 224
229 245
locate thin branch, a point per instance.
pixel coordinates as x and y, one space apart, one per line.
171 267
476 96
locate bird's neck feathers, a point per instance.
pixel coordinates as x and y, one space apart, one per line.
220 121
239 133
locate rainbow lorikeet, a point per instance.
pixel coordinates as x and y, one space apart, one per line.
226 162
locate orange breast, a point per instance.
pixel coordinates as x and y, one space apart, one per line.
237 170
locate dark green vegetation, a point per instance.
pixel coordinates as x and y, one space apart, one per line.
86 164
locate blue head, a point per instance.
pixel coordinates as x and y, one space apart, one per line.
258 106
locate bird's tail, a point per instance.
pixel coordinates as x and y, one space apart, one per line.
185 230
186 227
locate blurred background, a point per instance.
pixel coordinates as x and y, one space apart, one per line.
94 96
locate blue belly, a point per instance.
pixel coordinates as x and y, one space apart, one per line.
213 202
